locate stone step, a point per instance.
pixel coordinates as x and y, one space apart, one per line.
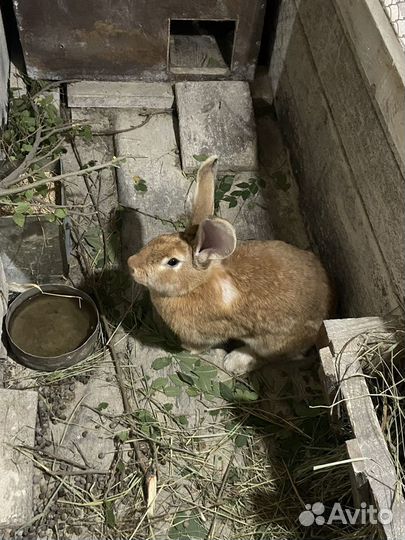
153 161
216 117
18 409
137 95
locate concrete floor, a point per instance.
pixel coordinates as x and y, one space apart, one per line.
75 404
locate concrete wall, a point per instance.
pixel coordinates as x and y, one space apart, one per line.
337 73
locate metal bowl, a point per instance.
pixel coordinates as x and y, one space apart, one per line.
69 358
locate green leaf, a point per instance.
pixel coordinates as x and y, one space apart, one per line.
60 213
172 391
243 185
187 358
145 417
42 190
139 183
244 394
123 436
19 219
120 466
29 194
101 406
161 362
215 389
233 202
175 379
192 392
185 378
182 420
254 188
241 440
227 180
200 157
159 383
206 370
109 514
26 147
23 208
86 133
226 392
260 182
168 407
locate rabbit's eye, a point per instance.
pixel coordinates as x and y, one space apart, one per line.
173 262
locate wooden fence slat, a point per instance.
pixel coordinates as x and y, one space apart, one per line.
378 466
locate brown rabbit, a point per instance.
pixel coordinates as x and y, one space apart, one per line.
209 289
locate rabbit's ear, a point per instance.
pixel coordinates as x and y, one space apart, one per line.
203 204
215 240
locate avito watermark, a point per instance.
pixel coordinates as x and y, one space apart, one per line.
316 514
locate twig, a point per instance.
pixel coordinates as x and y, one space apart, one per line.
13 177
53 84
124 130
93 200
211 532
59 177
80 472
152 216
51 455
77 446
140 456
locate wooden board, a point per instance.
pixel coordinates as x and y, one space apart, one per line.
121 40
376 467
356 214
380 58
376 175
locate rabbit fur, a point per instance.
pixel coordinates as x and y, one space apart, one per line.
209 288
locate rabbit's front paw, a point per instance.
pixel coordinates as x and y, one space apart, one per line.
240 362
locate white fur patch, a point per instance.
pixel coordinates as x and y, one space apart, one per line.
229 292
240 362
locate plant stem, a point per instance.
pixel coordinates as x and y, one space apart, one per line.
59 177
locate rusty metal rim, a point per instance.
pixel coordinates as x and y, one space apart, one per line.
54 288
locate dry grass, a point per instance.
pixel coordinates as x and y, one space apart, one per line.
383 361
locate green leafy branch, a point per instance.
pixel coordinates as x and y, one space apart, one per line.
224 190
32 143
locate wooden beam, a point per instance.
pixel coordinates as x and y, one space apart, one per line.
353 392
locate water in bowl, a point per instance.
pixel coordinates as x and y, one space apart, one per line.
48 326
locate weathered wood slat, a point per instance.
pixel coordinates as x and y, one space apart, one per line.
378 466
380 57
376 174
358 476
331 200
